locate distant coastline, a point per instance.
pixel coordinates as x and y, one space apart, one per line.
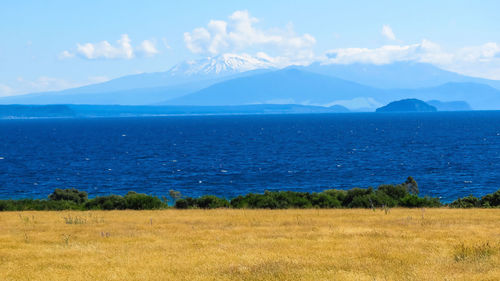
96 111
89 111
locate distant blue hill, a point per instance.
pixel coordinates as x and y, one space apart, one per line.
450 105
282 86
142 96
292 85
407 105
479 96
399 75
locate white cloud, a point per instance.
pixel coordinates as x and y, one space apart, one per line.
122 49
104 50
424 51
147 48
239 33
480 53
387 32
481 61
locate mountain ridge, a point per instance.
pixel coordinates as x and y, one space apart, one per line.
185 79
283 86
403 74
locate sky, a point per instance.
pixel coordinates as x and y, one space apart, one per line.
52 45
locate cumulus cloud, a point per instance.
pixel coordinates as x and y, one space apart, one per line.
122 49
425 51
482 53
147 48
104 49
240 33
387 32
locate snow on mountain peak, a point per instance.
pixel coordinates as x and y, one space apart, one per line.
223 64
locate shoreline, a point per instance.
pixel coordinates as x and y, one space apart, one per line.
383 197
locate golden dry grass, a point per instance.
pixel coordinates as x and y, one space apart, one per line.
405 244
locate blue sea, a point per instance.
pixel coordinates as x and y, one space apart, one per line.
450 154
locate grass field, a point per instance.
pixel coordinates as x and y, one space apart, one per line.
403 244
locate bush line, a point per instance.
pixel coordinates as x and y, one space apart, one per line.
385 196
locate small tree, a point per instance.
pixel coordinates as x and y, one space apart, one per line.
175 195
411 185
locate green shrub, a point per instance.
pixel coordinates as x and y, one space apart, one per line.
381 199
181 204
394 191
413 201
239 202
466 202
37 205
274 200
110 202
139 201
340 195
185 203
324 200
211 202
358 198
204 202
491 200
71 194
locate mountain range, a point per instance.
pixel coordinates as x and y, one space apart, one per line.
244 80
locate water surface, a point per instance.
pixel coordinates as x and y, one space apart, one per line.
449 154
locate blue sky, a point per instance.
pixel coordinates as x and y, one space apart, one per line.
51 45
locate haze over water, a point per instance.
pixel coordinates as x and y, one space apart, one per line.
449 154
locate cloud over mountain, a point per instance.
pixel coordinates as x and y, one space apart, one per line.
481 60
425 51
240 33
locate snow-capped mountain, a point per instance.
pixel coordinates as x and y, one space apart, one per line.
225 64
151 88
